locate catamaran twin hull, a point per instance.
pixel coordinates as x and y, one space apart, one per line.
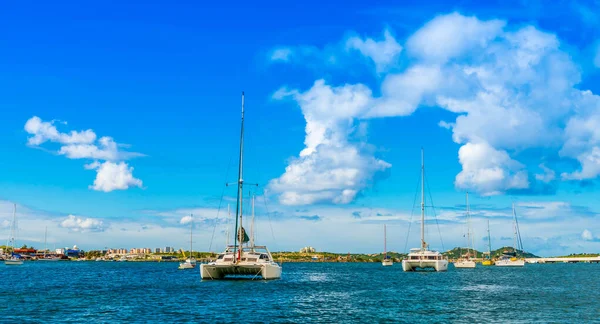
219 271
423 265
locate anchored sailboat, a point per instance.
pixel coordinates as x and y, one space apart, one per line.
190 263
422 258
386 262
465 260
487 256
243 258
511 259
14 259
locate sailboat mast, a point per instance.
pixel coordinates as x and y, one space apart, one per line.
252 224
468 226
423 244
45 236
489 239
228 225
238 209
191 226
515 229
14 226
384 242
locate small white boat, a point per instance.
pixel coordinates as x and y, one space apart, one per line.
14 259
465 262
190 263
243 258
386 262
422 258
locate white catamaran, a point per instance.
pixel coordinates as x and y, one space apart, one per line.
190 263
422 258
466 261
243 258
386 261
14 258
511 259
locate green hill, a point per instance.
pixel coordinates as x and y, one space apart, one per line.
457 251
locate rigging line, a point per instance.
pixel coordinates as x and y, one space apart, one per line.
269 215
412 213
434 214
518 233
220 204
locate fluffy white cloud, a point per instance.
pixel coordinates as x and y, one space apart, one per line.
587 235
46 131
451 35
512 89
281 54
113 176
79 224
186 220
383 52
489 171
331 167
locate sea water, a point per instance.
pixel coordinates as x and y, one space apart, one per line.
307 293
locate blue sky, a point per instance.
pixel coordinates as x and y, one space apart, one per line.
119 119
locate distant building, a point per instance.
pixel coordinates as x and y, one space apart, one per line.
60 251
308 249
169 249
157 250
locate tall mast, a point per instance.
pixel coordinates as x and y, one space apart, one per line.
238 209
423 244
515 229
14 226
489 239
45 236
252 225
468 226
384 242
191 226
228 225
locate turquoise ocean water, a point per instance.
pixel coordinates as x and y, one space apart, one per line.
106 292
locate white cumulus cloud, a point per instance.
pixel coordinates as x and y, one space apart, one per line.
587 235
80 224
113 176
383 52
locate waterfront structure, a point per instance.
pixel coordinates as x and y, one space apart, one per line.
465 260
157 250
243 257
308 249
422 258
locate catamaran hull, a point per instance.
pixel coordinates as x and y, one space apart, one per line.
265 271
13 262
464 264
422 265
510 263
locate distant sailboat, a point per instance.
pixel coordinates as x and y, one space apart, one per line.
48 257
14 259
190 263
465 261
243 258
386 261
511 259
422 258
487 256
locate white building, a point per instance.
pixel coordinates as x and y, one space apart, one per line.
308 249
